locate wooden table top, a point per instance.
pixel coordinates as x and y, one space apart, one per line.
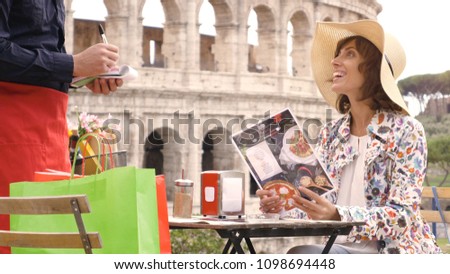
215 223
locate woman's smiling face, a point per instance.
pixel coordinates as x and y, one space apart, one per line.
347 78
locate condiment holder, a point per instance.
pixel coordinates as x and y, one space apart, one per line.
222 193
182 204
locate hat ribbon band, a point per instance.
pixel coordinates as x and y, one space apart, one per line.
390 65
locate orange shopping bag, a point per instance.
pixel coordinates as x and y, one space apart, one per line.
52 175
163 216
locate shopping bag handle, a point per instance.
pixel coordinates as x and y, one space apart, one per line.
77 146
111 161
100 166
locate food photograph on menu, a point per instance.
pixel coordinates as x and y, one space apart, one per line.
280 158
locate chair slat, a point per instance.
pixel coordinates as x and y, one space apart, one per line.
443 192
47 240
433 216
42 205
69 204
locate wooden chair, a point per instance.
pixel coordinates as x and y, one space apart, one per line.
72 204
436 214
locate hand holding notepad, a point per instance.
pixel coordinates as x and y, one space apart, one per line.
124 72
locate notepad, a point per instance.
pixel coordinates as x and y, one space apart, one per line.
124 72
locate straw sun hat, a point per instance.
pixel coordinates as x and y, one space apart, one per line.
324 46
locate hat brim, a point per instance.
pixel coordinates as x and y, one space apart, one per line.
326 38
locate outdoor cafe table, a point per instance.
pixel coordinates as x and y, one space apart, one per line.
236 230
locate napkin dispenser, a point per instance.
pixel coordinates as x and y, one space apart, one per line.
222 193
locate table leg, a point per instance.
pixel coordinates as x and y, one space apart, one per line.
233 244
250 245
236 239
331 240
227 247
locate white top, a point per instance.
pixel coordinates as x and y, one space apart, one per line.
351 191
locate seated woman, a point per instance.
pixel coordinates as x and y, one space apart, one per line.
375 154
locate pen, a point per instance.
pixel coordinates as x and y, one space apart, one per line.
102 33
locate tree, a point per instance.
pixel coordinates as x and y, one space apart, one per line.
439 154
420 85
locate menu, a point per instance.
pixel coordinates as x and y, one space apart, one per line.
280 158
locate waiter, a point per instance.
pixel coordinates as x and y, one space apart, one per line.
35 73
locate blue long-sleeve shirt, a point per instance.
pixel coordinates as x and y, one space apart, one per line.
32 44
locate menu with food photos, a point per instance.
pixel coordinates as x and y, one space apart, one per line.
280 158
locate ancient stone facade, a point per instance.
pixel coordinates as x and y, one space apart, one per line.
438 105
199 89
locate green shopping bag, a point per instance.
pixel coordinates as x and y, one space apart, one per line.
123 210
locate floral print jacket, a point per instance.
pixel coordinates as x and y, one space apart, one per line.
395 163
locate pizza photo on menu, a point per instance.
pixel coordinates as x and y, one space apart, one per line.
285 191
279 157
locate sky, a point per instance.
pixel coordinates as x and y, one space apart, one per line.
422 29
420 26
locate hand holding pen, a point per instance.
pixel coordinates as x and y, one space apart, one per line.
105 86
98 59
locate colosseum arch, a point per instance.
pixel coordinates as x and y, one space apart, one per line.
207 19
117 6
163 152
77 43
172 34
171 9
153 156
152 37
222 11
207 33
216 150
265 52
301 41
224 48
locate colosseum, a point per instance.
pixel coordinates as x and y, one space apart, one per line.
195 90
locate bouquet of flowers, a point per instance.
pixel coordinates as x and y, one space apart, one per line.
89 123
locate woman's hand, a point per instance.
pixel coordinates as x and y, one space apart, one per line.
318 208
269 201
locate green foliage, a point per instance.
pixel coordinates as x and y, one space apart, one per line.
433 179
426 84
435 126
439 154
439 150
437 130
196 241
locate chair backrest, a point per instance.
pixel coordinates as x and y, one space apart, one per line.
433 216
437 214
71 204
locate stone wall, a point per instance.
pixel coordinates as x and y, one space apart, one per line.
438 105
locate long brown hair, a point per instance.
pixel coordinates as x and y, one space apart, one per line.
370 68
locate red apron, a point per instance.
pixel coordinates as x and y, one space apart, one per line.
33 135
